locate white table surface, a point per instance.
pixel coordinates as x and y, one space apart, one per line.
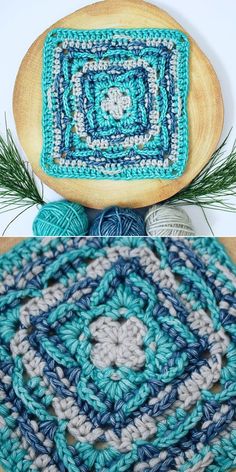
210 22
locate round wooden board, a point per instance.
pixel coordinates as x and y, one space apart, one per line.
205 108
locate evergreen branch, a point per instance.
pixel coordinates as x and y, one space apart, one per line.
17 182
214 184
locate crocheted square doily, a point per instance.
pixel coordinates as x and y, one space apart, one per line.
117 355
115 103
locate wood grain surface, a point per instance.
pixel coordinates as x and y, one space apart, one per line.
205 109
229 243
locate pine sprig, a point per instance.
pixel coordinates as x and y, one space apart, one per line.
214 184
18 187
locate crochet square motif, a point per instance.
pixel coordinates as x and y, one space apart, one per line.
115 103
117 354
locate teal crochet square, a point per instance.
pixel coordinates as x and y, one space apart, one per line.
115 103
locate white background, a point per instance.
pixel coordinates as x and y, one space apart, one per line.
210 22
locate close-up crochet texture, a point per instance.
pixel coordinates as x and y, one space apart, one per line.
115 103
117 354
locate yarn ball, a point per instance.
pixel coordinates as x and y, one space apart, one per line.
168 220
61 219
117 221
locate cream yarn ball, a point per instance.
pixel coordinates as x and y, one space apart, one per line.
168 220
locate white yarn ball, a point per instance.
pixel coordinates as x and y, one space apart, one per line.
168 220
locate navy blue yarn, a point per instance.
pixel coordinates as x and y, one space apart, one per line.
117 221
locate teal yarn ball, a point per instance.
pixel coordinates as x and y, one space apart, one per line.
117 221
61 219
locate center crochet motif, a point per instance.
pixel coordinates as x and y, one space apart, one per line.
117 355
118 344
115 103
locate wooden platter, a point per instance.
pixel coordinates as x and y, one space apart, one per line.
205 109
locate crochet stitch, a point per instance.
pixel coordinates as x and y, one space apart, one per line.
115 103
117 354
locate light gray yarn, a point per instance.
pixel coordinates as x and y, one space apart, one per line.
168 220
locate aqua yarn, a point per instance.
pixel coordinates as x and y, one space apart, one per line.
61 219
115 221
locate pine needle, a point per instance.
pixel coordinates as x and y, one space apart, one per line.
215 183
18 187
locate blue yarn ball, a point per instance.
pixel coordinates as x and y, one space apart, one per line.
117 221
61 219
